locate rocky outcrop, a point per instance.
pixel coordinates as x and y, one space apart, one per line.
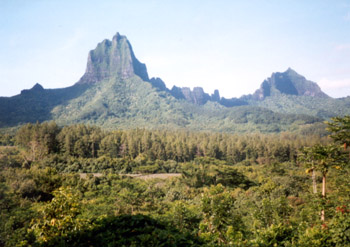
113 59
215 96
158 83
197 96
177 92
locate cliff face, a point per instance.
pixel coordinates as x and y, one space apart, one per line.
113 59
196 96
215 96
290 83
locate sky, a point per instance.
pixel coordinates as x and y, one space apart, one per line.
230 45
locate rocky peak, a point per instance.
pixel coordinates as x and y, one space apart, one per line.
215 96
113 59
158 83
199 96
177 92
290 83
37 87
196 96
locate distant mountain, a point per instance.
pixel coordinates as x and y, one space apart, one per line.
288 83
116 92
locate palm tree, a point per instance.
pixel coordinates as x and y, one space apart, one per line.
321 158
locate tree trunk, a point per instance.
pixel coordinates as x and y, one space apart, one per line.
323 195
314 184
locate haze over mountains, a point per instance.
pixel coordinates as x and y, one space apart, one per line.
116 92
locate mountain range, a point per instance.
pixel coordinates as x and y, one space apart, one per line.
116 92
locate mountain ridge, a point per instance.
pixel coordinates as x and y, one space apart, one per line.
116 92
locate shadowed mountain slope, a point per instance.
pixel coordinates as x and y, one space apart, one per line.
288 83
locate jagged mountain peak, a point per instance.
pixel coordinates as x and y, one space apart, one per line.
113 58
290 83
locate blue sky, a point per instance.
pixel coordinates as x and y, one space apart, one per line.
223 44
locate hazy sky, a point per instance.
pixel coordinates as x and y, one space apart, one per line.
223 44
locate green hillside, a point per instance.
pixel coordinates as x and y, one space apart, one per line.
313 106
133 103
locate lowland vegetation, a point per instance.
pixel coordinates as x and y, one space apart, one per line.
76 186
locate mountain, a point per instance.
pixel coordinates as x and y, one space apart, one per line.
113 59
288 83
116 92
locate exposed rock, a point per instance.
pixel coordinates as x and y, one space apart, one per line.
113 58
158 83
177 92
288 82
199 96
186 92
215 96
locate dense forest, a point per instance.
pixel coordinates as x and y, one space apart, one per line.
81 185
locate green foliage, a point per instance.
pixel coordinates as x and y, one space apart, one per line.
59 217
322 158
10 157
228 190
312 106
6 139
75 148
33 184
80 140
126 230
275 235
184 216
219 218
340 129
339 227
208 171
316 236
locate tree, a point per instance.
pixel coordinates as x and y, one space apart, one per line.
59 217
37 140
322 158
340 128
